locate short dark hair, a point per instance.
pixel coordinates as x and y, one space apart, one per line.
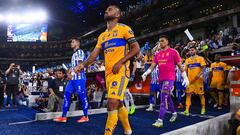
164 36
116 6
193 46
62 70
75 38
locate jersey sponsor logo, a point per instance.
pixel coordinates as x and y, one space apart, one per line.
114 84
109 51
217 68
194 65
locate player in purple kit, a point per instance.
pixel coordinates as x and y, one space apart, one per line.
166 59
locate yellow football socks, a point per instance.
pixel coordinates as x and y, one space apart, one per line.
188 102
111 122
202 99
123 117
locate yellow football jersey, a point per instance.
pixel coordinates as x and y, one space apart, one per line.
218 69
228 68
193 66
147 58
115 45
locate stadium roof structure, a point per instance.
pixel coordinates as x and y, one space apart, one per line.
71 16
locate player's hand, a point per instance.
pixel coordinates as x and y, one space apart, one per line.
11 65
79 68
144 77
116 67
69 76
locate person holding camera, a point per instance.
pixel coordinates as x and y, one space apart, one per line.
12 74
2 88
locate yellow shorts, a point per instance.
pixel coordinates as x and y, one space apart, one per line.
197 88
217 85
116 86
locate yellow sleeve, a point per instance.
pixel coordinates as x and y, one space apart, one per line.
129 34
225 66
186 64
211 67
99 42
203 63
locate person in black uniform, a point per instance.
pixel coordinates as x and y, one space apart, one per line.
13 74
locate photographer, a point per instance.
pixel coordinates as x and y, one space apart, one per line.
56 88
2 87
13 74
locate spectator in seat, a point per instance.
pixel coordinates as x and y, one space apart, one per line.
22 97
42 100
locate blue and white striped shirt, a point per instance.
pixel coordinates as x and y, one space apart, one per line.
206 73
179 77
78 56
154 76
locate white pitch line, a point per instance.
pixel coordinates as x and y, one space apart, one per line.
6 110
22 122
193 115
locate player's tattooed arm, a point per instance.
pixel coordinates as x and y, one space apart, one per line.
89 61
92 57
135 49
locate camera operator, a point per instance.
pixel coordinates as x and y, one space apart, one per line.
13 74
2 87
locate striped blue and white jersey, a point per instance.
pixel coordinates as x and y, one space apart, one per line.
206 73
154 76
179 77
78 56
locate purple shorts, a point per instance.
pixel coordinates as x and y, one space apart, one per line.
166 86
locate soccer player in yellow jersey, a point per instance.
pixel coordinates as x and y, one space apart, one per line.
194 68
218 80
115 42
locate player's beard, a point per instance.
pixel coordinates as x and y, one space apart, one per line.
109 18
192 54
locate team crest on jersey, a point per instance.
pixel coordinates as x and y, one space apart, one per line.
167 54
131 32
115 33
103 38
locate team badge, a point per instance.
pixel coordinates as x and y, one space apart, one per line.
131 32
167 54
115 33
163 55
